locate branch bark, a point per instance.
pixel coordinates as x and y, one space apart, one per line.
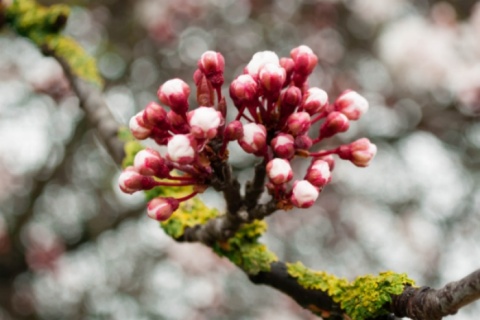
429 304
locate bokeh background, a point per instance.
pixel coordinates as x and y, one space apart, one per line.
72 246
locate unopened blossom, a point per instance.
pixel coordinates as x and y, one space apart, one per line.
351 104
260 59
359 152
298 123
288 64
305 60
161 209
272 77
131 181
303 142
254 138
212 64
304 194
315 100
318 174
336 122
244 89
233 130
204 122
289 100
150 163
174 93
329 159
180 149
154 114
138 127
279 171
283 145
177 122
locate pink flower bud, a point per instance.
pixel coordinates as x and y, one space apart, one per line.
288 65
351 104
161 209
154 114
272 77
304 194
204 122
283 146
303 142
318 174
260 59
298 123
305 60
359 152
138 127
205 93
150 163
329 159
174 93
131 181
233 130
181 149
336 122
315 101
289 101
212 64
279 171
254 138
244 89
177 122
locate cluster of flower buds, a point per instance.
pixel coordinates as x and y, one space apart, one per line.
277 114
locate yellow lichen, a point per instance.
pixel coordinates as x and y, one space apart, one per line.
363 298
42 26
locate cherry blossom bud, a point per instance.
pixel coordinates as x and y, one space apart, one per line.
304 194
283 146
161 209
154 114
174 93
315 100
244 89
305 60
177 122
204 122
288 65
131 181
303 142
279 171
329 159
336 122
198 76
212 64
318 174
160 135
150 163
260 59
272 77
254 138
205 92
298 123
290 99
181 149
359 152
351 104
138 127
233 130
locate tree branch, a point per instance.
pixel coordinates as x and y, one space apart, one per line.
429 304
96 111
